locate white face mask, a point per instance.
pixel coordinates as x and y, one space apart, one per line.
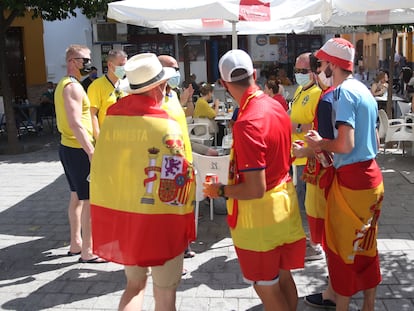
326 81
302 79
119 72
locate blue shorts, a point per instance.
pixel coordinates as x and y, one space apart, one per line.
76 165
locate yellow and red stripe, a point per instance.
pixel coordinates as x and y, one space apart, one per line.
353 209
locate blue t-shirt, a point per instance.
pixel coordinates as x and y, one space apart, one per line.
356 107
326 116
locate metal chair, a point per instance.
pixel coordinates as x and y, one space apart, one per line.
208 165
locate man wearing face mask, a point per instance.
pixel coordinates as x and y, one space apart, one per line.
92 75
315 201
302 114
76 148
105 91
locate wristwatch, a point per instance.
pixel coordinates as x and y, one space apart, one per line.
221 191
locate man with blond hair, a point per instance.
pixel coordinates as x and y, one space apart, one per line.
76 148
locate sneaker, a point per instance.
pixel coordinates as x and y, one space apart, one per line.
314 253
316 300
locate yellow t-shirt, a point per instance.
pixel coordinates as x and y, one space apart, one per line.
303 111
203 110
174 109
67 137
102 94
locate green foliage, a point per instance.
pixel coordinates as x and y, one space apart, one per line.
50 10
381 28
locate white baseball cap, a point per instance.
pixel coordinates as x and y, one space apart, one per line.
232 60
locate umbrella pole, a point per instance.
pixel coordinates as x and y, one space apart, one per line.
233 35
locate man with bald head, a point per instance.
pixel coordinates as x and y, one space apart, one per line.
302 115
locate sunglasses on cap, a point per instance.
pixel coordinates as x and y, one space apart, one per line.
302 70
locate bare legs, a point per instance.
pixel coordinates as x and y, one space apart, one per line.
164 298
329 293
79 213
86 231
342 302
133 296
369 299
74 214
280 296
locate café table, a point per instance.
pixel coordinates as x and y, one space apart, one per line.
382 103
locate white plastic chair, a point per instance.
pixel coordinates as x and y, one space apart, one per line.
200 133
404 107
208 165
394 130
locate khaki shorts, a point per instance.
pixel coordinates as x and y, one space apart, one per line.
165 276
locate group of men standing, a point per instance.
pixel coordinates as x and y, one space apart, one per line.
142 177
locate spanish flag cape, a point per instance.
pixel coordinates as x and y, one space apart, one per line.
259 226
353 208
141 186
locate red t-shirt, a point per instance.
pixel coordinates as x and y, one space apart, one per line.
262 137
281 100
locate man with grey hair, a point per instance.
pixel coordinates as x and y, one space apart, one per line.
105 91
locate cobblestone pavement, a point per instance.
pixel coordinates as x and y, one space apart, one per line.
36 274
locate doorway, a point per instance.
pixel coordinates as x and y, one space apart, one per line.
15 61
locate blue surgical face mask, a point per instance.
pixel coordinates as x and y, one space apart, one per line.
119 72
174 81
302 79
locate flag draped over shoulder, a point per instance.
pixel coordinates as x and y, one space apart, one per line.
142 186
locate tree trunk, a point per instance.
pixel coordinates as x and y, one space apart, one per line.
13 144
391 74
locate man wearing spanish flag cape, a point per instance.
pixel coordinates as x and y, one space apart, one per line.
263 212
355 187
142 184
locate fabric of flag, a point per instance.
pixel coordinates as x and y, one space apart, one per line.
315 200
259 226
353 208
141 186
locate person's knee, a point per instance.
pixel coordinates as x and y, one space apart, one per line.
136 286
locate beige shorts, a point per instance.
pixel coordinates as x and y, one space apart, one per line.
165 276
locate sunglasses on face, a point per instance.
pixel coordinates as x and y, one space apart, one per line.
85 60
302 70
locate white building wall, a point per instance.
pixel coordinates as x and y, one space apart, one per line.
58 35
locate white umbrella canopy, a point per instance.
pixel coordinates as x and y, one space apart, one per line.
213 17
222 16
373 17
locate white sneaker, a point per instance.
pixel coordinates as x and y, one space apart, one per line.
314 253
